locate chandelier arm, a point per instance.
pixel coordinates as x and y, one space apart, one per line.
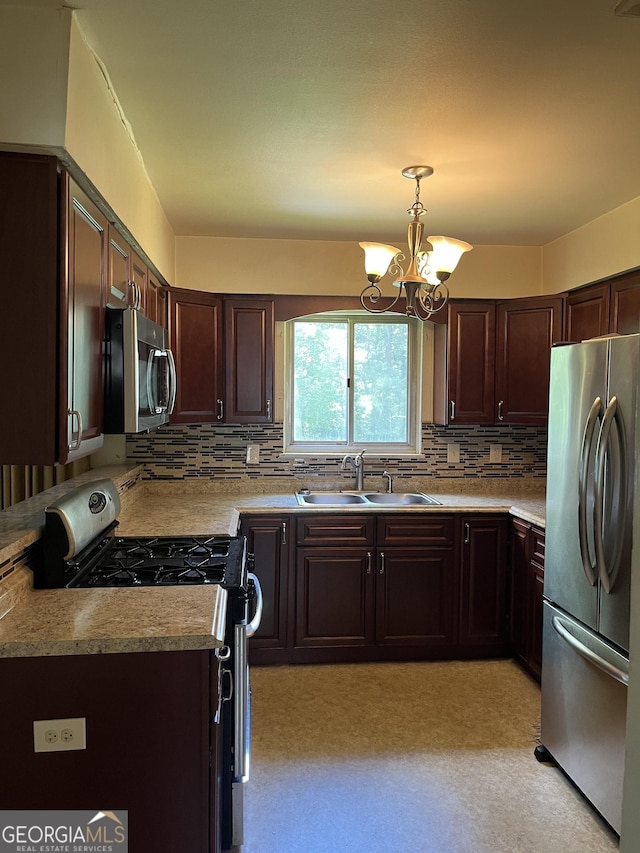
434 300
373 297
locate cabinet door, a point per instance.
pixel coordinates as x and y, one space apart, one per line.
536 586
86 254
334 597
248 362
195 334
587 313
526 330
415 597
520 567
625 304
267 540
118 271
140 281
156 301
471 362
483 599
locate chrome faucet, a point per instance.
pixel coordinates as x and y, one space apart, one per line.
357 462
390 483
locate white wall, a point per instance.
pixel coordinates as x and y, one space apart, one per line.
34 50
600 249
101 145
235 265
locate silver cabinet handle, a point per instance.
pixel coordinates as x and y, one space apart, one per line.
368 562
220 414
136 299
224 653
76 438
467 533
283 533
227 695
381 562
268 410
500 415
452 405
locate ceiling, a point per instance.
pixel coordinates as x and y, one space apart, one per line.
294 118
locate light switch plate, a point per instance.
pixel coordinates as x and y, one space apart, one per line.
453 454
495 453
253 453
59 735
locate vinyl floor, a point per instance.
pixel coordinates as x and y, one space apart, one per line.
407 758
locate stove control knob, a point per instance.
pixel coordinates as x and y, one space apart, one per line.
97 502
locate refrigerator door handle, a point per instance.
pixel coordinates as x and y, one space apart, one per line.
618 476
588 564
588 654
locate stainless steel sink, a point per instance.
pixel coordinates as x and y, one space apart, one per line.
360 499
329 498
401 499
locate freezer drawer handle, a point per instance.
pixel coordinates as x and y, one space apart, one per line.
606 667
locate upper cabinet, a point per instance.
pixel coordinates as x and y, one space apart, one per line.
224 351
492 361
53 243
131 283
606 308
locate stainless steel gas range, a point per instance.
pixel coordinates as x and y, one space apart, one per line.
81 549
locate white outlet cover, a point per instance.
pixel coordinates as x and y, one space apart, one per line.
60 735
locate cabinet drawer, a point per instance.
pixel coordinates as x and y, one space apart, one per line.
538 546
415 529
335 530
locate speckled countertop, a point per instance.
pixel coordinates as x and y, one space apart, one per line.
59 622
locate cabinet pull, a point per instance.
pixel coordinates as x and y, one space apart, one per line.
500 415
76 438
283 533
381 562
368 562
268 410
467 534
220 414
136 295
452 416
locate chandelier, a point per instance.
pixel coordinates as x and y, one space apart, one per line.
423 283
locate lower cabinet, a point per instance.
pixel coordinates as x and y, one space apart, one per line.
268 540
527 580
483 596
151 742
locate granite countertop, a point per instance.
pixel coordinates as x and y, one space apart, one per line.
59 622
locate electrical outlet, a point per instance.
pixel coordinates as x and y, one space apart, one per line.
59 735
453 454
253 454
495 453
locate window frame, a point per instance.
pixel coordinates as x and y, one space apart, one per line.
412 446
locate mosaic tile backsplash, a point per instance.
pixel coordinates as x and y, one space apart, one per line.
220 452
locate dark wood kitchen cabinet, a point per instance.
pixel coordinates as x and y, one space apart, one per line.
151 742
195 337
483 594
611 307
224 357
248 360
492 361
525 331
465 368
527 582
269 541
53 244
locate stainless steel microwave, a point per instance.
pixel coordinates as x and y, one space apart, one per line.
140 373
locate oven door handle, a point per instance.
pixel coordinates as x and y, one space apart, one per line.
253 626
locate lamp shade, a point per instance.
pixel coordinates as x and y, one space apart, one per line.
446 253
377 258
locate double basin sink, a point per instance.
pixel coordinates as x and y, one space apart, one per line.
348 499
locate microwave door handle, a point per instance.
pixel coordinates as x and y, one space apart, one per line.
152 396
173 381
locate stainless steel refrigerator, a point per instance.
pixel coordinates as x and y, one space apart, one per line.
592 455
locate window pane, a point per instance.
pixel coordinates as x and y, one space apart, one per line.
380 382
320 382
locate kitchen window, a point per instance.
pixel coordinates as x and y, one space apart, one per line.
353 381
